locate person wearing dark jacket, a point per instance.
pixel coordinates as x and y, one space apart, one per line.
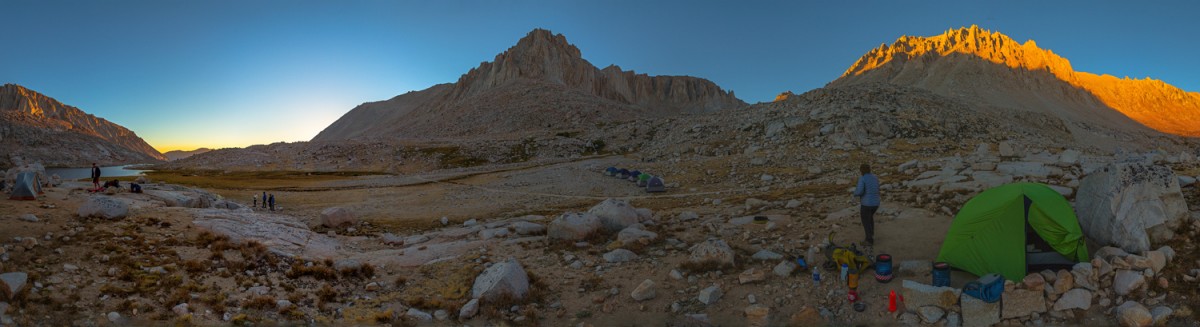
272 199
95 176
264 198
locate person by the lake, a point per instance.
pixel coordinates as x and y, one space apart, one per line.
255 199
264 198
272 199
95 177
867 191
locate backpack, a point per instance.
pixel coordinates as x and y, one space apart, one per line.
987 288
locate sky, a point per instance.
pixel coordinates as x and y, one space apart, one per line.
190 74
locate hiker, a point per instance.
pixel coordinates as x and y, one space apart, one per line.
867 191
135 188
95 177
264 198
272 199
255 197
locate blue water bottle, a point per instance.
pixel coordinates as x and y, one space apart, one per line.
816 277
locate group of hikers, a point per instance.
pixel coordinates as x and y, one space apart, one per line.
96 187
268 201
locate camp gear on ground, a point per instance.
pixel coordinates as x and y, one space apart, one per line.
801 263
892 302
816 277
993 231
852 296
24 187
852 279
883 268
987 288
941 274
633 175
837 256
860 307
642 179
845 271
655 184
135 188
622 173
760 220
611 171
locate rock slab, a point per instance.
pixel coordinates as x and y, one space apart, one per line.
100 206
977 313
917 295
1021 303
12 283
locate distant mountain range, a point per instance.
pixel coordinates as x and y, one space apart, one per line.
540 84
991 69
180 154
38 128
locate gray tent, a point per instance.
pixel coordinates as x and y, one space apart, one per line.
655 184
25 187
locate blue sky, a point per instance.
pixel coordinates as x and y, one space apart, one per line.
186 74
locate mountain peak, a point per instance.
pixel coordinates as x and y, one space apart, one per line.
977 63
974 40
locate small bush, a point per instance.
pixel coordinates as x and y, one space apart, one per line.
260 302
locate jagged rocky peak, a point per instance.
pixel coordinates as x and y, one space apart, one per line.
784 96
982 65
985 44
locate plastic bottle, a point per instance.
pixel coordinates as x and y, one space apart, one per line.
816 277
845 271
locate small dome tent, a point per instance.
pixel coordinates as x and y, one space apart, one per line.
633 175
1010 228
25 187
623 173
642 179
655 184
611 171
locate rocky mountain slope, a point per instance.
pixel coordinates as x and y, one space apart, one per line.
541 83
991 69
38 128
180 154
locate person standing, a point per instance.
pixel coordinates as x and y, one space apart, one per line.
255 197
264 198
272 202
867 191
95 177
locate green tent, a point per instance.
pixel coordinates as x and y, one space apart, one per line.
999 231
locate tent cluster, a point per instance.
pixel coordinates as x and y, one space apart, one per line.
650 182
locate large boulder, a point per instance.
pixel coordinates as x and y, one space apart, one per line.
501 279
337 216
574 226
634 235
11 284
712 251
1130 205
106 207
1127 281
1133 314
615 214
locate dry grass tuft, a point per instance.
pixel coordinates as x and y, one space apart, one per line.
259 302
